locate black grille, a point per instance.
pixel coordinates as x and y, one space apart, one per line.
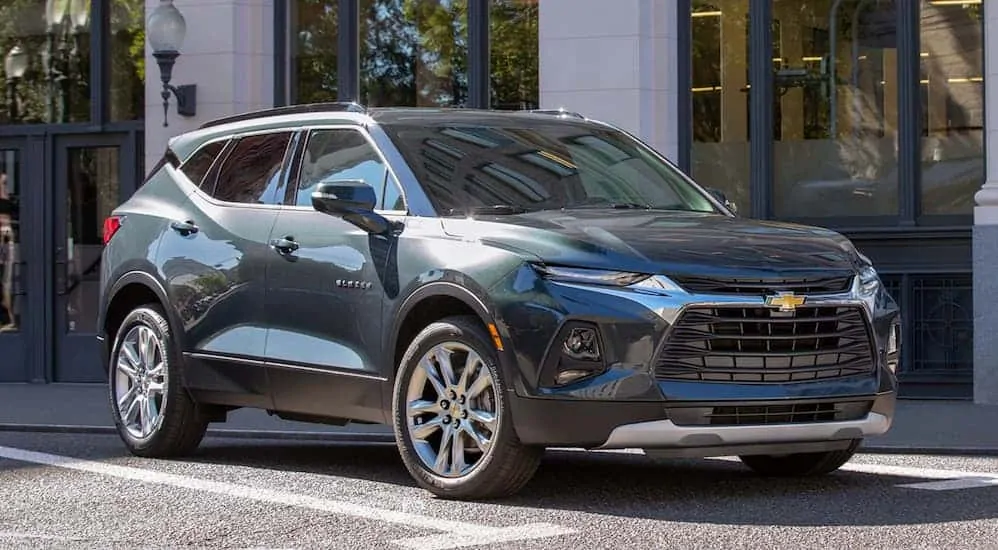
713 285
762 345
781 414
740 414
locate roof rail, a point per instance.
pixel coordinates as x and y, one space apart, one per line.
329 107
556 112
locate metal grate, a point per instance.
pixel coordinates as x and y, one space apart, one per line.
774 414
760 345
714 285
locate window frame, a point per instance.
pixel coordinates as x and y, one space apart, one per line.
216 166
294 169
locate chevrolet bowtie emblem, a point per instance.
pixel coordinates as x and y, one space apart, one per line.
786 301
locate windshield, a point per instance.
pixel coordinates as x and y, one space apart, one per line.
519 166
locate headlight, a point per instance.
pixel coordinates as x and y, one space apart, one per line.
584 276
590 276
869 286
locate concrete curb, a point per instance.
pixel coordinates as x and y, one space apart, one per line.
387 438
340 437
928 450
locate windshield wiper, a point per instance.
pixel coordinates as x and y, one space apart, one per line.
498 209
608 204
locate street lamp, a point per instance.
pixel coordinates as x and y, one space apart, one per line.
166 29
14 66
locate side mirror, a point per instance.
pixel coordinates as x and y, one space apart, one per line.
352 200
723 199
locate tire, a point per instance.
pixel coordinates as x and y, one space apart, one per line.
506 465
178 426
801 464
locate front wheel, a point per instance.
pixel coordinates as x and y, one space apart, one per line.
153 414
451 415
801 464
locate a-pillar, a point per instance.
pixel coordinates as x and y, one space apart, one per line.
228 53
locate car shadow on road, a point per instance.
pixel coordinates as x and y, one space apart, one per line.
634 486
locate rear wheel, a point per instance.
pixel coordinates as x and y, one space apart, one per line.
451 415
801 464
153 414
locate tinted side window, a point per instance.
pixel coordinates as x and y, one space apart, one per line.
200 162
251 173
343 154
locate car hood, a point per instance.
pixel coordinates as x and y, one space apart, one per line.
664 242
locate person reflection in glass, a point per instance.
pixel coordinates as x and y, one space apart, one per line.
7 250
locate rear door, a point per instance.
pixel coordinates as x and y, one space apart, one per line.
215 264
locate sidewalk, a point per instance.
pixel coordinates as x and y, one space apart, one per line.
919 425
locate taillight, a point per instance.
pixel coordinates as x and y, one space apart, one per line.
111 226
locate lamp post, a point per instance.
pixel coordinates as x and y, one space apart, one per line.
14 66
166 30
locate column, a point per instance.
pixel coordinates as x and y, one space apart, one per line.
986 231
228 53
613 61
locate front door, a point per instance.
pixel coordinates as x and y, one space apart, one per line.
93 175
21 328
324 295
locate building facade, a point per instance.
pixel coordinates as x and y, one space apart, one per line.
866 116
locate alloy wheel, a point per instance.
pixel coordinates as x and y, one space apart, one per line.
140 381
452 410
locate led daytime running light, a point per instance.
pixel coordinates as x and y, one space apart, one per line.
590 276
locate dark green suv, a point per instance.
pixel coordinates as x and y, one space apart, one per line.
490 284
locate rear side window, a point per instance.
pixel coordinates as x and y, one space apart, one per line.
197 166
251 173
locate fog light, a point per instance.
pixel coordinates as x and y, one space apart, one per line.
581 344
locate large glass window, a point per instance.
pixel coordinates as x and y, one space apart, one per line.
836 90
127 45
513 66
720 104
952 106
314 40
46 49
414 52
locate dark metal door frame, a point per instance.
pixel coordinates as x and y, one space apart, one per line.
73 357
19 349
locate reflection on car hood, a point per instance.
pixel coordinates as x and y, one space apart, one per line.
664 242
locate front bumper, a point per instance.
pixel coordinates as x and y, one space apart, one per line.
688 427
717 408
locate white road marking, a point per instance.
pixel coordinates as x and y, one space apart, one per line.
458 533
953 484
946 480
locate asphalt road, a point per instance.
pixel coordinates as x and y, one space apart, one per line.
82 491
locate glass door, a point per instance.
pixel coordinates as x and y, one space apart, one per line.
93 176
20 183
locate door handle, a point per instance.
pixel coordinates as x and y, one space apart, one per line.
285 245
184 228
